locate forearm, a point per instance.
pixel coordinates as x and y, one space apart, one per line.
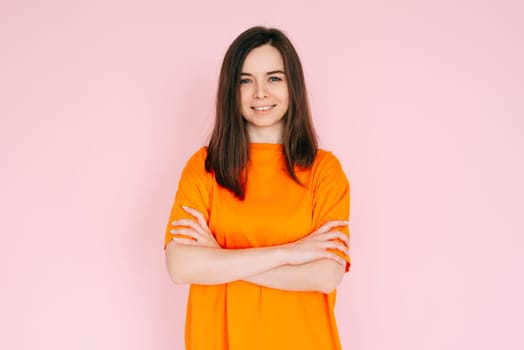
321 275
206 265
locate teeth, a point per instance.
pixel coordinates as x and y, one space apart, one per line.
265 108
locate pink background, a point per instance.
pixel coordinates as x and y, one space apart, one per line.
102 102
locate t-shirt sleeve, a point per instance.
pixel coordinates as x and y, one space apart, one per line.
193 191
331 196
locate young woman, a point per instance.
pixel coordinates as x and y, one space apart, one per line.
259 223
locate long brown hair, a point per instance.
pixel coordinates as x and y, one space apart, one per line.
228 150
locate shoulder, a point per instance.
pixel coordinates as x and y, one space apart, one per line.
326 163
325 159
195 167
197 160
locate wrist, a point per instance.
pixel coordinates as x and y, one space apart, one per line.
280 254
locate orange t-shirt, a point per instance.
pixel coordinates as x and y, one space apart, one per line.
276 210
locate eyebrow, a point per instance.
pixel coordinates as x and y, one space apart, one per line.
268 73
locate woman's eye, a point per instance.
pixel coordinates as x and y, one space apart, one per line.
244 81
274 79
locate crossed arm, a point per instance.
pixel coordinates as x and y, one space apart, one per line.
194 256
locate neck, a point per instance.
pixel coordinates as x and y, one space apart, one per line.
270 134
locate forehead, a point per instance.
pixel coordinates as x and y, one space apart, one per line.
262 59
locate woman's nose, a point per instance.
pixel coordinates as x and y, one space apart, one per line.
260 92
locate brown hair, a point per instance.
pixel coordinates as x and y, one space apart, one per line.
228 150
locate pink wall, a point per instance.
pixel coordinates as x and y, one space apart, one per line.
103 101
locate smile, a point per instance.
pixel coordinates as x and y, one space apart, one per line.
262 108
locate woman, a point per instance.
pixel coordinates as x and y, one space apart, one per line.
259 224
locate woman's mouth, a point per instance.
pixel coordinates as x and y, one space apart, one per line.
262 108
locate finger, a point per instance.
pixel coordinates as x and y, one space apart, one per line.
189 222
335 258
184 241
330 225
336 245
183 222
334 235
205 238
186 232
198 215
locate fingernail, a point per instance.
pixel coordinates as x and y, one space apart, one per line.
173 231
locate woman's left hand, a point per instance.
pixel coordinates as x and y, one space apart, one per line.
198 233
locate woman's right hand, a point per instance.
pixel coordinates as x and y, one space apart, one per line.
315 245
193 232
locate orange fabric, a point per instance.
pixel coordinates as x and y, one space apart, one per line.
276 210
